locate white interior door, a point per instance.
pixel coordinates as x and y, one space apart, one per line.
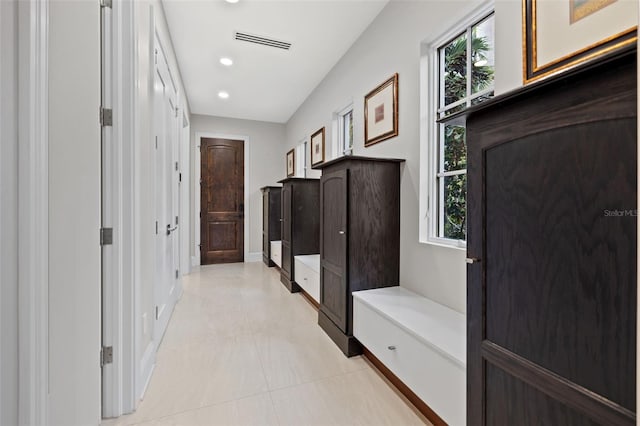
165 194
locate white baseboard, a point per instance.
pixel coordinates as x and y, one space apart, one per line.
147 365
253 257
194 261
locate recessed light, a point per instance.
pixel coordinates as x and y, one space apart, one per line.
226 61
223 95
232 1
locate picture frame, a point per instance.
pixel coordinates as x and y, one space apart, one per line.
381 112
317 147
559 35
291 163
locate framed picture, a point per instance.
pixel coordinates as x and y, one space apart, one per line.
381 112
291 163
317 147
560 34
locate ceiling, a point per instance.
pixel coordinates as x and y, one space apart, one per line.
264 83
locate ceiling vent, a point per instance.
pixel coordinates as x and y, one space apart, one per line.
262 40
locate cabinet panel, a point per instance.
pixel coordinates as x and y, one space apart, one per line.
333 297
265 223
286 260
270 221
286 216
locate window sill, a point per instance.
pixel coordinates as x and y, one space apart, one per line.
445 243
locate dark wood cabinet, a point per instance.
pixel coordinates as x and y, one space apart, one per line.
359 238
552 199
271 218
300 224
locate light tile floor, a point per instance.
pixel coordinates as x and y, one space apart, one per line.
241 350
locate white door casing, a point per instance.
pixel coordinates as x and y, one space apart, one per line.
74 213
33 207
118 325
8 213
185 195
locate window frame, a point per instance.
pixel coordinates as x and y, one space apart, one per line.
339 149
431 210
301 159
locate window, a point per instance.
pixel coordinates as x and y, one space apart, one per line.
301 160
464 66
343 130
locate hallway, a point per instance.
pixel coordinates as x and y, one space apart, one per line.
241 350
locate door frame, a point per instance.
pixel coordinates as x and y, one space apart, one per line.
33 208
9 148
185 194
248 257
119 308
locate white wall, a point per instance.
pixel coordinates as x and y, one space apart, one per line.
392 44
508 39
74 213
148 20
266 165
8 215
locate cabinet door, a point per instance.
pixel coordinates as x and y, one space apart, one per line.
274 214
265 222
333 247
286 230
552 301
286 213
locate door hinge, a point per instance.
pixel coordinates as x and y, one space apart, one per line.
200 215
106 117
106 236
156 142
180 177
176 274
155 57
176 220
176 166
106 3
156 227
106 355
157 312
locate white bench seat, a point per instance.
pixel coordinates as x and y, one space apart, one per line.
307 273
276 253
422 342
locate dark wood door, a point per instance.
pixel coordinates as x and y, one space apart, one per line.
266 245
222 201
287 195
552 226
333 247
271 221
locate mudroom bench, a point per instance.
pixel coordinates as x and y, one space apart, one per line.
421 342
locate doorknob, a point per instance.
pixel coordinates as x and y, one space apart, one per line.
170 229
341 232
471 260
